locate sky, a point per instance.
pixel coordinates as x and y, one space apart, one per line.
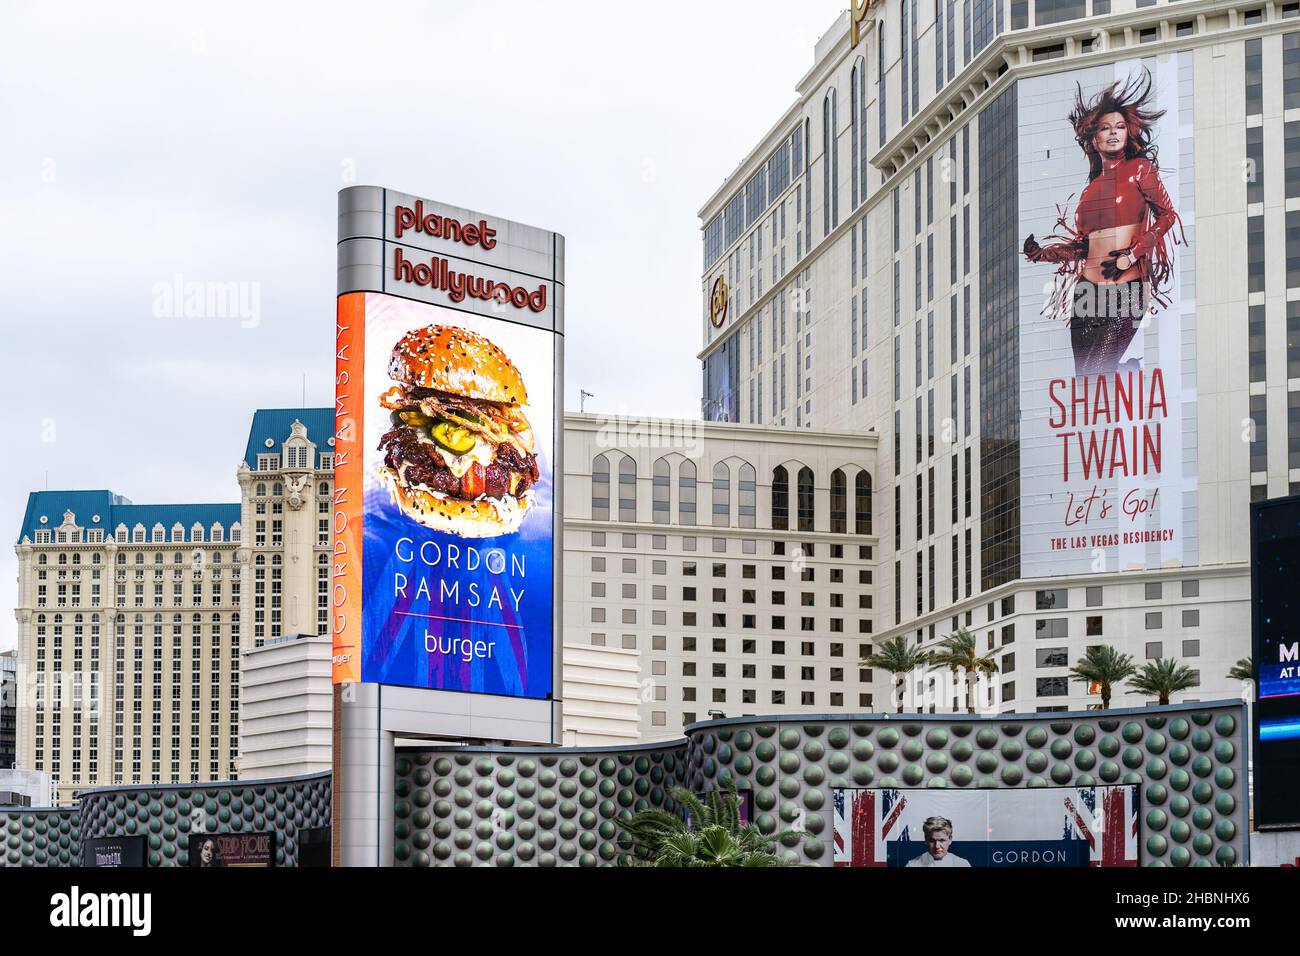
148 145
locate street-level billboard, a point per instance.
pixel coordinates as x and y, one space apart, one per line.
446 451
1028 827
1275 626
1107 338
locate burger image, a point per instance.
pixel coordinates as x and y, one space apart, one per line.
459 457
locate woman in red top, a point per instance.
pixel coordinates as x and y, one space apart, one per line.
1116 260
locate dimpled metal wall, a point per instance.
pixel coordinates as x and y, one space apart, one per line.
40 837
525 806
167 815
497 806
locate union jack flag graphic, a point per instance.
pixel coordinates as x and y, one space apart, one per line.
1056 826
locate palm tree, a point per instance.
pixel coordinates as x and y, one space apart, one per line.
1162 677
1244 669
898 657
1104 666
958 651
714 835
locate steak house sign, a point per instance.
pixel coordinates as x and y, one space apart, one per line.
439 273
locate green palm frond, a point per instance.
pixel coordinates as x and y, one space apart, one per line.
714 837
1244 669
1164 677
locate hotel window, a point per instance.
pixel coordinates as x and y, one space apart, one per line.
1053 686
806 499
600 488
721 495
661 492
627 489
1254 77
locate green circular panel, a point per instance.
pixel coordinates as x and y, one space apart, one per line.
1202 740
1179 755
1011 775
1225 751
1036 737
1202 843
1156 820
863 750
961 750
962 776
888 763
1132 732
1108 771
1225 830
838 738
1061 748
1179 856
1202 818
1156 768
986 762
789 738
1226 856
986 737
936 762
1061 773
913 749
1012 750
1179 831
1132 758
1157 845
1156 743
936 738
1036 762
1179 728
1085 760
1157 794
1226 725
913 775
1084 734
1180 806
765 750
1108 746
814 750
888 737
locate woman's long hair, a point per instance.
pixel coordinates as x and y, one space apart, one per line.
1128 98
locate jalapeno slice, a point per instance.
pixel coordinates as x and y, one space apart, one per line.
453 438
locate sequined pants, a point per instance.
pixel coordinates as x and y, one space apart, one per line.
1103 321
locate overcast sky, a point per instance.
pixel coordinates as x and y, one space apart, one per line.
146 142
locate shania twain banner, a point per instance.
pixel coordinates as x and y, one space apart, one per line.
1107 319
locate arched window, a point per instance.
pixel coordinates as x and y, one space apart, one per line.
600 488
780 498
747 506
627 489
686 493
839 502
721 495
661 492
862 503
857 129
806 499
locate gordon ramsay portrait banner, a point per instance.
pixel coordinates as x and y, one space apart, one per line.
443 518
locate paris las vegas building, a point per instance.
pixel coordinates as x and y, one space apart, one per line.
132 618
864 272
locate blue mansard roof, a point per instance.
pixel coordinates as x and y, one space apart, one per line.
106 510
276 424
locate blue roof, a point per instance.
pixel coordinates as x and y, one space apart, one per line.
276 423
106 510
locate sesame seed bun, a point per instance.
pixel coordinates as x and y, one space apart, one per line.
457 361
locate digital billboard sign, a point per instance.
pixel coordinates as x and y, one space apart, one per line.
446 454
217 850
113 852
1107 341
1038 827
1275 626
